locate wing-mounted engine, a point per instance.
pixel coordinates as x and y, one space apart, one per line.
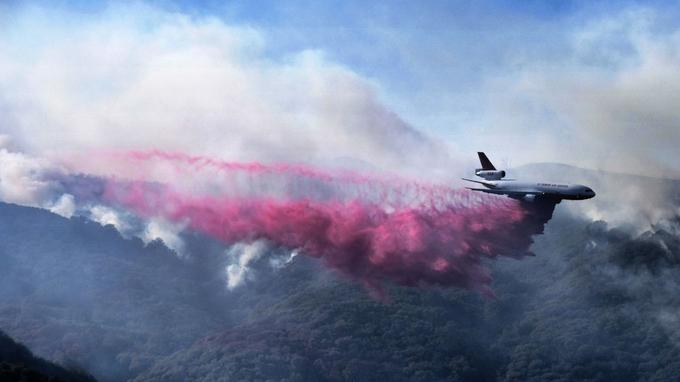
490 174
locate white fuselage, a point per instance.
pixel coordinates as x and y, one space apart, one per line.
531 191
555 190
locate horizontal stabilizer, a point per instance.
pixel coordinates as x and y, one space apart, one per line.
497 192
488 184
482 190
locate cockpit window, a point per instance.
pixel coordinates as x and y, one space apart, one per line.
588 190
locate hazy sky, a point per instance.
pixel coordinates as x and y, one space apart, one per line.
594 85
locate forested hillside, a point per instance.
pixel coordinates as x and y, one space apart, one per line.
76 292
593 305
18 364
597 303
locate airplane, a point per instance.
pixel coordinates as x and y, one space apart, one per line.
495 184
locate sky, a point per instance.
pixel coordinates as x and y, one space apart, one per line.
394 85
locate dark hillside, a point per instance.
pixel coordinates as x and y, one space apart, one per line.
597 303
77 292
18 364
593 305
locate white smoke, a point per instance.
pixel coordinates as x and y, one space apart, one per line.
609 102
22 179
278 262
241 256
65 206
105 215
140 77
166 231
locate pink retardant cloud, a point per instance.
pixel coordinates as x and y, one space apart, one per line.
411 246
428 235
291 180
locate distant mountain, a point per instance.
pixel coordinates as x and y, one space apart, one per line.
559 172
17 363
597 303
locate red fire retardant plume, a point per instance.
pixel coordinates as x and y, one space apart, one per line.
440 244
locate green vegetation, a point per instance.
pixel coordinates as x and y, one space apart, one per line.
595 304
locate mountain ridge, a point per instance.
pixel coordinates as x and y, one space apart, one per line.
74 290
18 363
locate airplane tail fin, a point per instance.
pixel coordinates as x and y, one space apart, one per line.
486 163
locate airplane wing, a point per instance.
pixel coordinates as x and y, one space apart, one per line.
507 192
520 195
516 194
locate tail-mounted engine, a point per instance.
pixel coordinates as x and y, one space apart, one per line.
490 174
